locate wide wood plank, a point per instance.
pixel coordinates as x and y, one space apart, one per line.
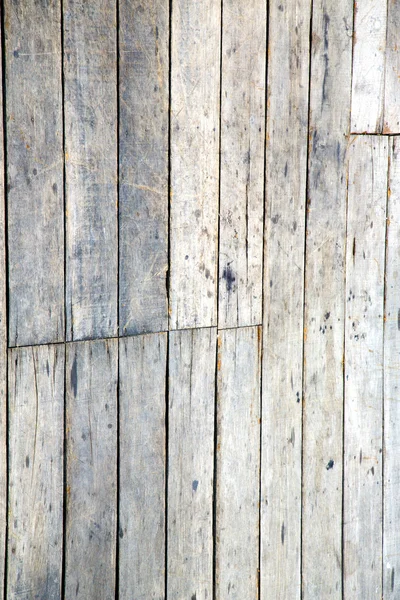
91 413
365 264
142 440
330 80
143 158
242 162
36 450
392 70
286 167
238 463
195 89
34 172
190 464
91 168
368 66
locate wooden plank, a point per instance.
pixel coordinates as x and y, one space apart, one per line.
143 157
365 267
142 386
392 70
286 167
91 414
242 163
34 172
36 451
190 464
195 89
90 75
238 463
324 300
368 66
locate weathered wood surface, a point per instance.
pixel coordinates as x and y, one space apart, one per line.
195 92
365 267
142 442
91 474
391 123
192 360
242 163
143 158
330 88
238 463
90 72
286 170
36 450
34 172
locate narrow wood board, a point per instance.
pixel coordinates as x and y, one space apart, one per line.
142 443
192 359
90 73
368 79
330 93
91 421
392 70
286 169
238 463
143 159
195 91
242 163
34 172
36 451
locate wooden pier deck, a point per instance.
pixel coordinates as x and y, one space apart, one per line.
200 300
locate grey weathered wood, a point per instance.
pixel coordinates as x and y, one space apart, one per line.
143 157
195 88
34 172
242 163
392 70
238 463
365 264
330 94
91 414
368 66
91 168
190 463
142 402
36 449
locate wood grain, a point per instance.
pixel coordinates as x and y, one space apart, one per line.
34 172
392 70
142 441
36 449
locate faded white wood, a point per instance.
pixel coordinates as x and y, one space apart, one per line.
365 265
242 163
142 439
368 77
143 158
330 80
286 167
192 360
90 90
195 90
36 450
238 463
91 414
392 69
391 444
34 172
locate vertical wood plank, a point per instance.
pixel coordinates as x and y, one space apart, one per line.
392 70
365 265
142 388
190 463
91 168
91 413
368 66
286 168
36 448
35 172
242 163
143 157
238 463
330 81
195 89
